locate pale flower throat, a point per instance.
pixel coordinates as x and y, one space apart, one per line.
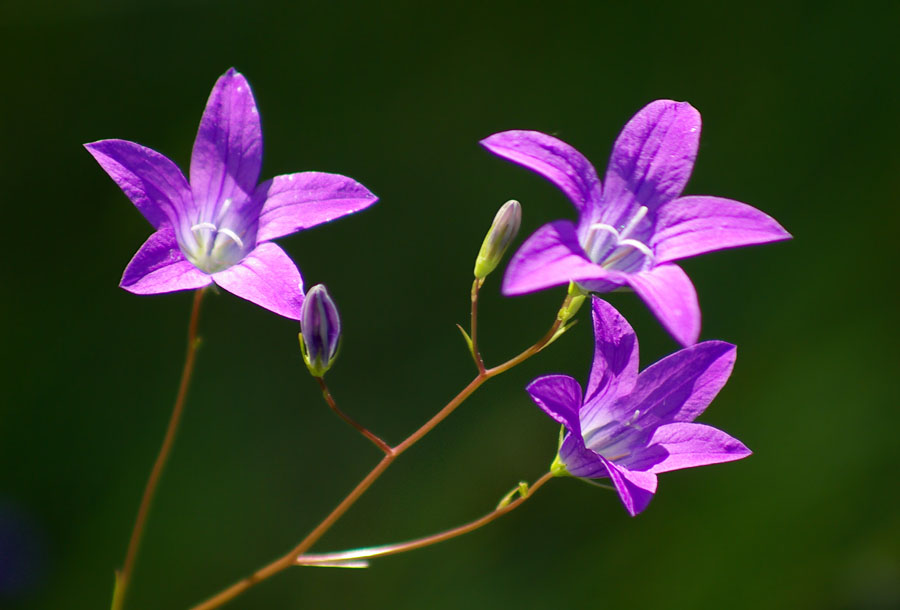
614 249
215 247
613 439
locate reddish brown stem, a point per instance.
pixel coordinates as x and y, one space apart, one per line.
369 435
324 559
476 352
290 558
123 578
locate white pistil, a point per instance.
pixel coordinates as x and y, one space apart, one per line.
630 422
639 216
222 210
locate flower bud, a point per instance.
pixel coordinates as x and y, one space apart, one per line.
320 330
502 232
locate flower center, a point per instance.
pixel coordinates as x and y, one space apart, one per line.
614 439
614 249
216 247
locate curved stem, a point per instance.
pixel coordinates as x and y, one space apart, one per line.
123 577
326 393
290 558
324 559
534 349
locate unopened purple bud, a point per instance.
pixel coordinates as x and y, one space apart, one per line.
320 330
503 230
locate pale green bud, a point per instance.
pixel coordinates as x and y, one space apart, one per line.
503 230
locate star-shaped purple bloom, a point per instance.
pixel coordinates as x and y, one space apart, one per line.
631 229
631 426
218 227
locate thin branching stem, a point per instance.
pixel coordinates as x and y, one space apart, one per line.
325 559
123 577
290 558
476 352
326 394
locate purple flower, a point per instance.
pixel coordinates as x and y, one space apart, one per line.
218 227
631 426
631 229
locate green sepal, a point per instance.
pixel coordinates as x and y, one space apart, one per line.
576 295
521 489
596 484
559 333
557 467
468 340
117 590
315 370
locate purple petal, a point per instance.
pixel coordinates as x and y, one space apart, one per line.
268 278
299 201
694 225
579 460
553 159
227 153
615 365
679 387
560 398
635 488
670 295
154 184
551 257
159 266
652 159
689 445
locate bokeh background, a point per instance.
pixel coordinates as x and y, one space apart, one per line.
799 102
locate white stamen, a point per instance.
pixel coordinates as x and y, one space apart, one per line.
593 230
624 245
233 236
639 216
203 225
637 245
597 226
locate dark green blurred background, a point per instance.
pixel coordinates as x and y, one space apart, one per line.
800 120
